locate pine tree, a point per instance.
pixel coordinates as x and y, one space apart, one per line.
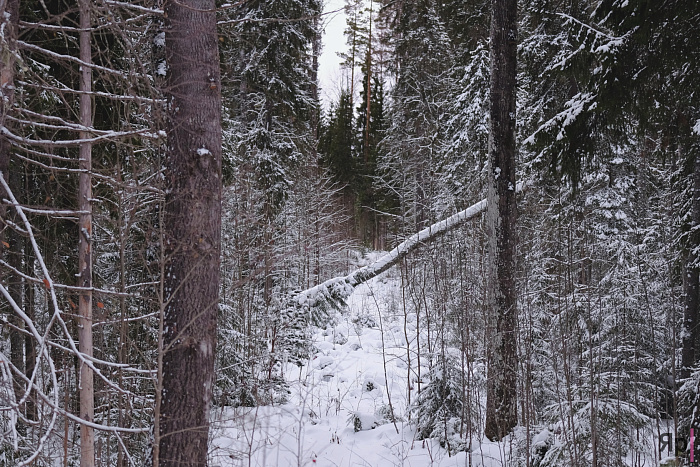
357 39
371 126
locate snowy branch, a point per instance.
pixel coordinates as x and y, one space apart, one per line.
69 58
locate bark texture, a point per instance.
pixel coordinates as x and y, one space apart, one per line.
9 19
87 390
10 242
501 403
691 283
192 231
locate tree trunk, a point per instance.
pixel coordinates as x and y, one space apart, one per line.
316 45
192 231
9 18
87 392
501 402
368 64
691 283
10 249
30 310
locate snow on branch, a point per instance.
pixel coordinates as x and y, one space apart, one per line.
44 368
572 109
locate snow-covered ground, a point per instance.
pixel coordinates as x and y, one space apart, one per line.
341 401
339 411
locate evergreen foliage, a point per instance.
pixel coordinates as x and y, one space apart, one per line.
267 67
440 409
337 143
608 265
409 167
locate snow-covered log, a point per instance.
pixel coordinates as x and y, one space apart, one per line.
335 291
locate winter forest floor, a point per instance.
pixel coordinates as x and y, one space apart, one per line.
342 388
338 410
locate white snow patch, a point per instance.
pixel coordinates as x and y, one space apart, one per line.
324 362
162 69
336 414
159 40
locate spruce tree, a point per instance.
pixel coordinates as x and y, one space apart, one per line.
409 164
336 145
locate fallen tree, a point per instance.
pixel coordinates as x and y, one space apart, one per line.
333 292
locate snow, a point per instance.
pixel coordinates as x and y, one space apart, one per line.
162 69
339 288
336 414
541 438
159 40
696 128
572 109
338 411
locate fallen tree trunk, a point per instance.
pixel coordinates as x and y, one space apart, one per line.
334 292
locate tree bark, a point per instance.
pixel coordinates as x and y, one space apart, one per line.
368 64
10 249
9 19
501 396
691 331
192 231
87 392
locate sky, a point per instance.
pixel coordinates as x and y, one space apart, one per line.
333 42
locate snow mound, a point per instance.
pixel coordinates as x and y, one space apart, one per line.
349 404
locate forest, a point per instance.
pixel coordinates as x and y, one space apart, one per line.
500 207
